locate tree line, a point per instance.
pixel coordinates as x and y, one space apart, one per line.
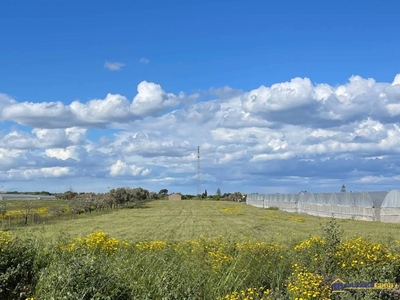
120 197
131 197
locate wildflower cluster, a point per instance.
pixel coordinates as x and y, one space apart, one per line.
5 239
12 213
42 210
259 246
357 253
311 252
249 293
99 241
188 247
307 285
17 213
151 246
219 252
311 243
260 250
218 258
231 209
297 219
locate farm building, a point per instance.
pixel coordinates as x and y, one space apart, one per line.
175 196
368 206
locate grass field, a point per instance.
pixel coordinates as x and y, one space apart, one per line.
188 219
198 250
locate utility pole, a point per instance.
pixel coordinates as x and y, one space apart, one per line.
198 172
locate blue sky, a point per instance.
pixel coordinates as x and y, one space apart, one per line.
197 63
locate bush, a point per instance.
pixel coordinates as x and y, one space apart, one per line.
82 277
17 266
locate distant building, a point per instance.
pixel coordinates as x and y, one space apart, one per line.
175 197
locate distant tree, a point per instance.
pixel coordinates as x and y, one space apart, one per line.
343 189
123 196
60 196
237 196
216 197
82 203
46 193
27 211
140 194
205 193
106 200
70 194
163 192
56 211
119 195
218 192
154 196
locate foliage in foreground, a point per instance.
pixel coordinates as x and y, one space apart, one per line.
100 267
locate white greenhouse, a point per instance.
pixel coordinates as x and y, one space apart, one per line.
25 197
390 208
368 206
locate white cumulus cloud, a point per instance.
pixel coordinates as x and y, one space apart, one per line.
150 100
121 168
289 136
24 174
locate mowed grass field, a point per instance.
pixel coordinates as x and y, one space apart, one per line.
189 219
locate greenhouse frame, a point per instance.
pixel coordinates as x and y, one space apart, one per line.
368 206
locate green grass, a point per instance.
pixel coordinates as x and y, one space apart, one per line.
189 219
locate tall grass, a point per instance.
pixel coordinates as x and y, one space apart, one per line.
101 267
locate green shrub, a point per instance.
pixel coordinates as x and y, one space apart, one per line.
82 276
17 265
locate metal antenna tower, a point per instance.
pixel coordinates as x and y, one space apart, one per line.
198 172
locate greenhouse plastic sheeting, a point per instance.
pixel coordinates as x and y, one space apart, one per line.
25 197
390 209
368 206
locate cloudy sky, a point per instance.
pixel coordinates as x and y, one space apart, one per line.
279 97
